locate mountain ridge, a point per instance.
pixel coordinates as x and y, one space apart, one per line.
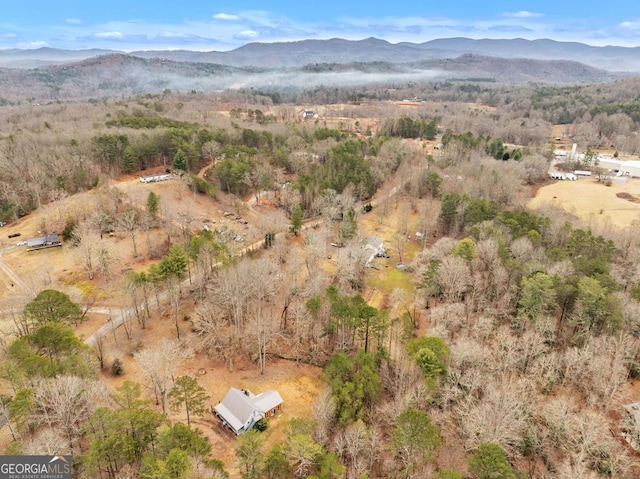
337 50
77 75
118 74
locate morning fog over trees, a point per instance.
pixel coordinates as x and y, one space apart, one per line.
480 338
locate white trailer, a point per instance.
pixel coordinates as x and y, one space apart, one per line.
154 178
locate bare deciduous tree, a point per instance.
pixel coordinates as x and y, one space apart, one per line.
454 278
324 413
159 364
216 337
90 246
356 442
500 416
262 331
66 403
48 442
129 221
351 267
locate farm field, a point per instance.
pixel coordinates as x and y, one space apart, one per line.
601 206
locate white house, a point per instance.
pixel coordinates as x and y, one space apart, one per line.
375 248
241 409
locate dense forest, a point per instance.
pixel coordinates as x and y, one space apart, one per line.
502 356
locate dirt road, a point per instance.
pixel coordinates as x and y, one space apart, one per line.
16 281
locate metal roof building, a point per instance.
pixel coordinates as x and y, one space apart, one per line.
241 409
43 241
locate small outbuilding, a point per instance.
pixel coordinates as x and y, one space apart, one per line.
240 409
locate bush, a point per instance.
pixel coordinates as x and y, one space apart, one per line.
261 425
116 367
67 232
203 186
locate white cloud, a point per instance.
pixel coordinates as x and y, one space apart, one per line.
522 14
30 45
173 35
226 31
631 25
108 35
9 35
247 34
226 16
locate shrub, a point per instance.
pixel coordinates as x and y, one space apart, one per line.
67 232
116 367
261 425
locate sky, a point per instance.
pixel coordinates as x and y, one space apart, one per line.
207 25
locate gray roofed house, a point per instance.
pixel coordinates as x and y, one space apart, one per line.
43 242
375 248
241 409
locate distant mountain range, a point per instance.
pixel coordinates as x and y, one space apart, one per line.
335 50
46 74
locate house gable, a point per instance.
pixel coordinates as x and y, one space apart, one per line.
268 403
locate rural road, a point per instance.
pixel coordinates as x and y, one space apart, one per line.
122 315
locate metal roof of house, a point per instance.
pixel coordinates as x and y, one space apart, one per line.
267 400
229 417
374 242
238 406
42 240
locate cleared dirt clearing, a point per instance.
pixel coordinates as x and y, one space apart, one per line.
593 202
